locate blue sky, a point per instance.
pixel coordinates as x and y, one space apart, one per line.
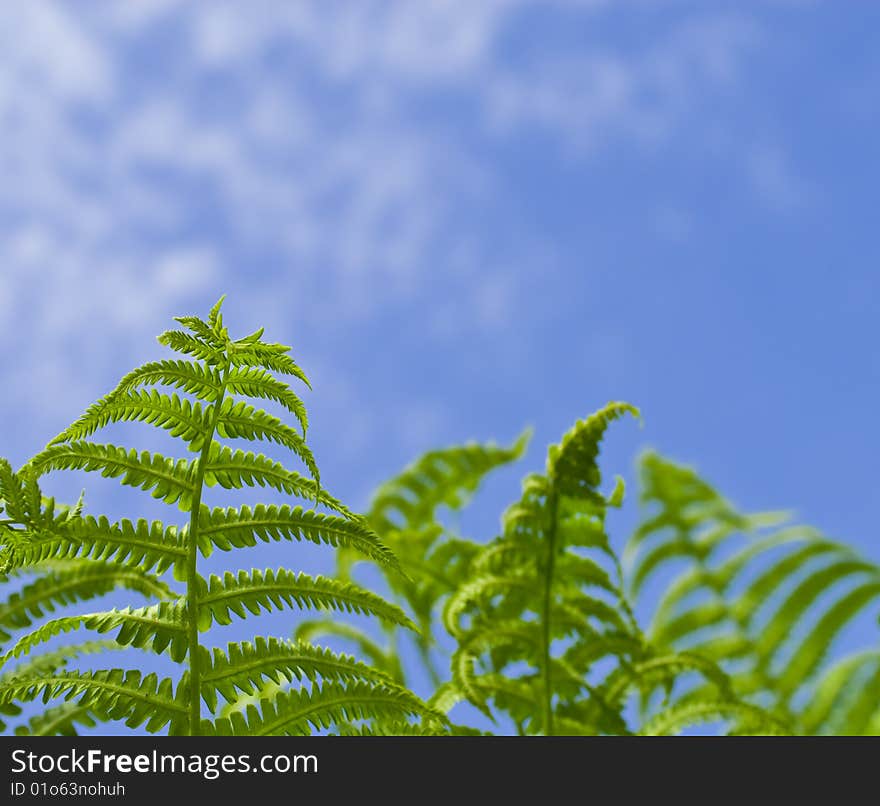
467 217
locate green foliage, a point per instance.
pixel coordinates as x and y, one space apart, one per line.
537 627
764 599
65 557
545 633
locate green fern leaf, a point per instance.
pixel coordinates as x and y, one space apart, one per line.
676 628
149 546
119 694
830 693
178 416
204 331
301 712
257 383
77 557
572 465
763 587
267 356
255 591
158 626
472 645
236 528
665 669
65 586
188 376
243 421
166 479
245 666
861 713
12 493
234 470
796 603
477 590
810 653
184 343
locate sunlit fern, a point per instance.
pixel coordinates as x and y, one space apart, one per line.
545 632
761 597
61 546
33 592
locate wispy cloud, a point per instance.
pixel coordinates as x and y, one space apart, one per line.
157 153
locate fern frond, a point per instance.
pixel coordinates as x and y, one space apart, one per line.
188 376
861 713
234 470
77 557
245 666
481 589
240 420
527 589
839 684
184 343
585 572
811 652
472 645
664 670
203 331
671 631
179 416
796 603
12 493
117 693
257 383
301 712
572 464
255 591
149 546
158 626
215 315
267 356
165 479
765 584
64 586
581 656
812 587
236 528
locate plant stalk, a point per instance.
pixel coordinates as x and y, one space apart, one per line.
192 576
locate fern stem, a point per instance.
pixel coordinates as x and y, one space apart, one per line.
552 505
192 575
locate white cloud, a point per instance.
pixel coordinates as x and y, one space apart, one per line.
113 164
599 96
189 269
42 45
